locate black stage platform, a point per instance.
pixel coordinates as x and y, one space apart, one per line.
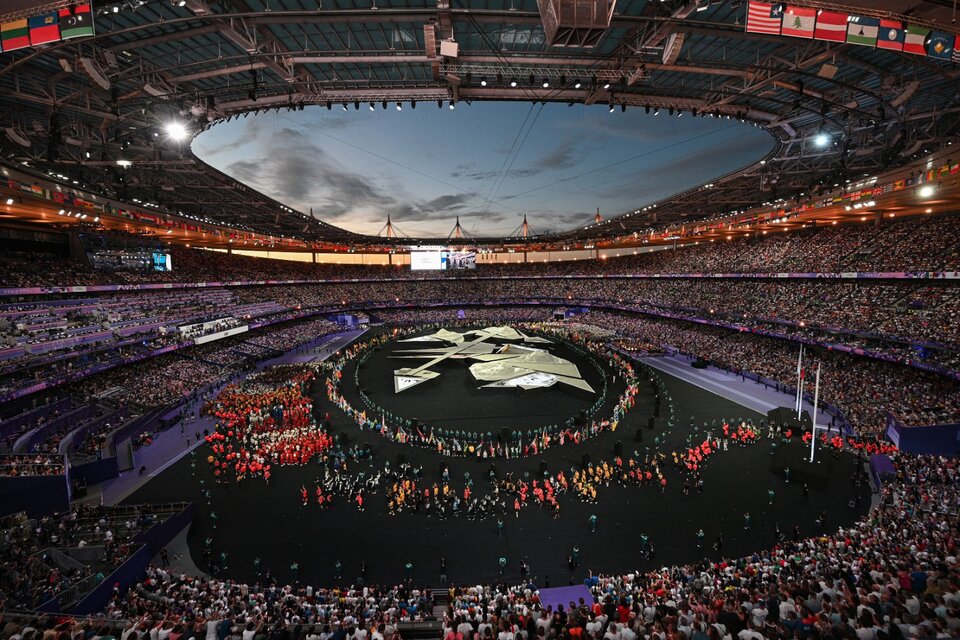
795 461
455 400
267 521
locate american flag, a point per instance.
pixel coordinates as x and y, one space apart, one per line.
764 17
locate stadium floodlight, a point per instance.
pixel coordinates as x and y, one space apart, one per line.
371 107
606 85
399 106
611 108
177 131
926 191
483 82
125 163
546 84
822 139
577 85
452 105
9 201
513 82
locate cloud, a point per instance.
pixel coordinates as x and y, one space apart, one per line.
294 170
207 144
437 208
492 175
485 215
562 157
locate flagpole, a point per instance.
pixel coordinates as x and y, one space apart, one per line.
798 402
816 399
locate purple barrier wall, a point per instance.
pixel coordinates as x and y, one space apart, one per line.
940 439
14 425
127 574
27 443
37 495
77 436
881 467
134 427
121 579
555 597
95 471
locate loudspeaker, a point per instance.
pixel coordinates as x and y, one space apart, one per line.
504 435
543 468
585 461
638 436
618 448
650 422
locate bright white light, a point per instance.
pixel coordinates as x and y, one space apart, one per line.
177 131
546 84
577 85
125 163
926 191
452 106
821 140
9 201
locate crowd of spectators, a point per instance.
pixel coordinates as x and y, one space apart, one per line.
18 465
911 244
894 574
128 390
32 565
864 389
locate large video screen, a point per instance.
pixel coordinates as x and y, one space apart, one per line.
141 259
460 260
438 260
162 262
425 261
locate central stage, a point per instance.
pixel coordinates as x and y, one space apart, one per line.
456 400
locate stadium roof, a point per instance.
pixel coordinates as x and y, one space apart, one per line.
837 111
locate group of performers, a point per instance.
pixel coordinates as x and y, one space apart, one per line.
269 421
533 443
263 423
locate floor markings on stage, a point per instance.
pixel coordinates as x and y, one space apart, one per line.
684 373
175 458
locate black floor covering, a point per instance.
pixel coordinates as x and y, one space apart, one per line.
456 401
257 520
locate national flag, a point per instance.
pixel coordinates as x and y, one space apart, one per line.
863 31
831 26
798 22
764 17
44 29
915 40
939 45
14 35
891 35
76 21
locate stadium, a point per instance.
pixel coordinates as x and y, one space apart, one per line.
483 320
